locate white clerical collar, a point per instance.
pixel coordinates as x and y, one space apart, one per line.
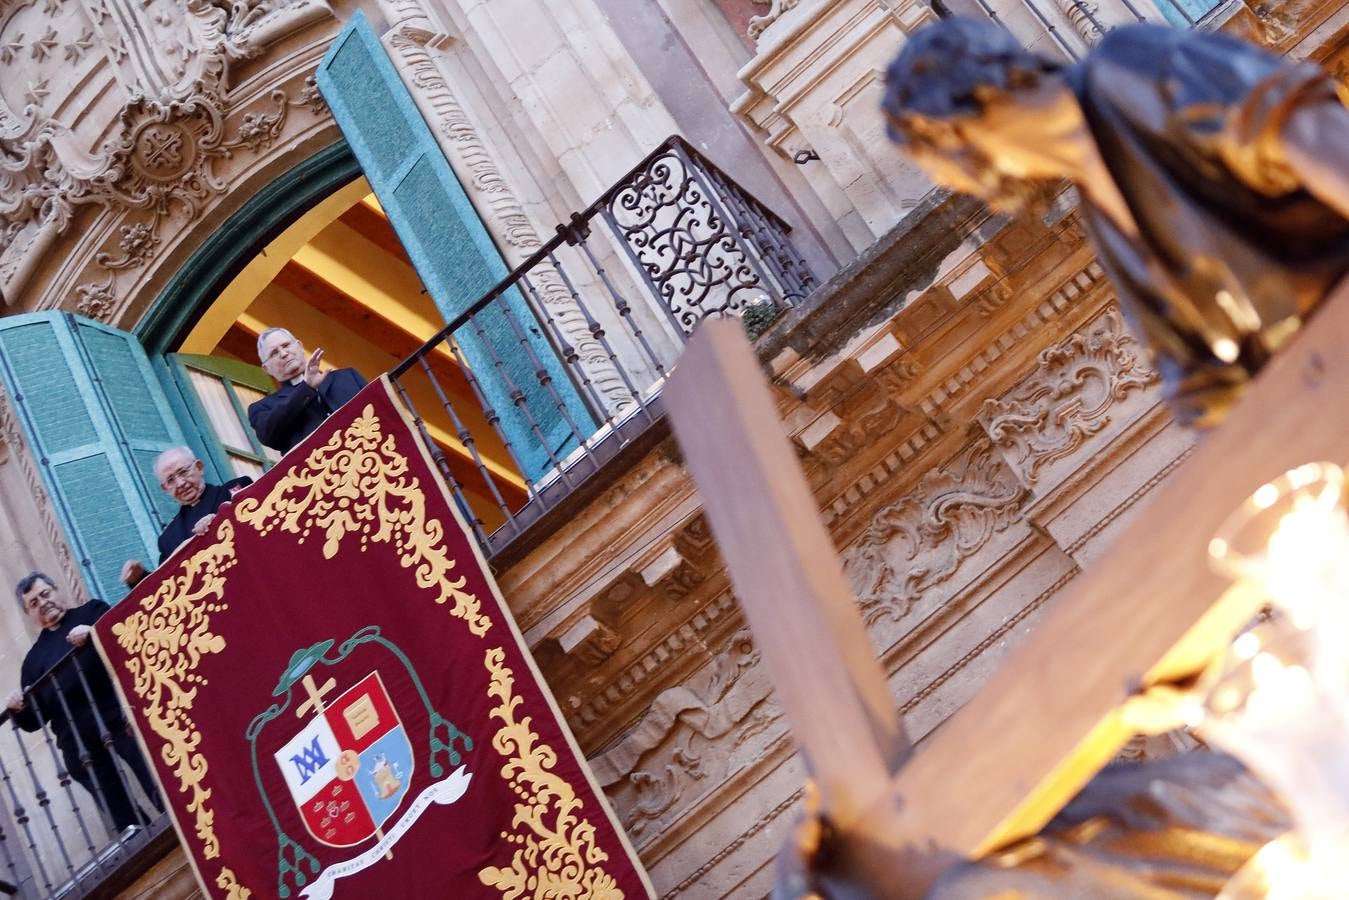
297 379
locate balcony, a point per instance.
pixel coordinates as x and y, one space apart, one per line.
566 357
683 241
67 793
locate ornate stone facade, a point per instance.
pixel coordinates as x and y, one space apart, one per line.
127 119
971 412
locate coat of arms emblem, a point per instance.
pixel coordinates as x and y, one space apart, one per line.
350 763
349 769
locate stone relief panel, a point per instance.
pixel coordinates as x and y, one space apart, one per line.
862 424
921 540
691 739
1079 389
125 106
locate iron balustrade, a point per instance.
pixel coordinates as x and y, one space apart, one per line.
58 838
564 357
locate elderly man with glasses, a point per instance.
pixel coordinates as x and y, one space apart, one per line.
183 477
305 394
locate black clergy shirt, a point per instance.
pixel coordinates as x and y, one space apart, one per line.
179 528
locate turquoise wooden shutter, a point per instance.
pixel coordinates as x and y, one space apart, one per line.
1184 13
213 394
445 239
95 417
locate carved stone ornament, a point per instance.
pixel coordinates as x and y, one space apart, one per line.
864 423
776 8
921 540
96 300
1069 397
670 753
153 150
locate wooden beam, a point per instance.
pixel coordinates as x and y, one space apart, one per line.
241 343
787 576
371 224
368 321
1149 612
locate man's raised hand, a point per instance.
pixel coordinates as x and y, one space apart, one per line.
312 376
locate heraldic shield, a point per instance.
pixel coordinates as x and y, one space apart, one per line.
351 766
349 759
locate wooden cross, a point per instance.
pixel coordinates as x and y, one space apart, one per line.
316 695
1149 613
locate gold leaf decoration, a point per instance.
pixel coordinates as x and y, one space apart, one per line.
230 885
165 639
358 485
556 855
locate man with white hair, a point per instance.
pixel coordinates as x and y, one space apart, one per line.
306 395
183 477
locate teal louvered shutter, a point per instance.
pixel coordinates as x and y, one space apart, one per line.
95 417
1184 13
213 394
447 243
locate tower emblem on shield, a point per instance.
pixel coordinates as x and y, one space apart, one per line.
350 761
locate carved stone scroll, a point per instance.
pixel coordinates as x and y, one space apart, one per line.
921 539
1068 398
690 733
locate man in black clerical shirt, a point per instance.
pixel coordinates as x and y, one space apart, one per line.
306 395
183 477
75 697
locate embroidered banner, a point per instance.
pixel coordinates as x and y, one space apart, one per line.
338 703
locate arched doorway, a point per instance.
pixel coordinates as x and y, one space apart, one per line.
313 252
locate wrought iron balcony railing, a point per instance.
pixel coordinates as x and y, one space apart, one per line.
74 810
566 355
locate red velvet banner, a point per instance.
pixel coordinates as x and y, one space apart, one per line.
337 701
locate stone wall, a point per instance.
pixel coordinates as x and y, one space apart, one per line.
974 419
970 452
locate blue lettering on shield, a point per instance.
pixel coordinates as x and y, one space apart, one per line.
309 760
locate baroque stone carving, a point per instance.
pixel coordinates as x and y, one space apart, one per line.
156 153
873 417
1082 16
1068 398
775 10
498 204
921 540
668 752
96 300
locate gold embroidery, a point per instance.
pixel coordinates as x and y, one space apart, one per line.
358 484
232 888
556 855
165 640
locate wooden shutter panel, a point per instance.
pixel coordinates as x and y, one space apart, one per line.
95 417
446 241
